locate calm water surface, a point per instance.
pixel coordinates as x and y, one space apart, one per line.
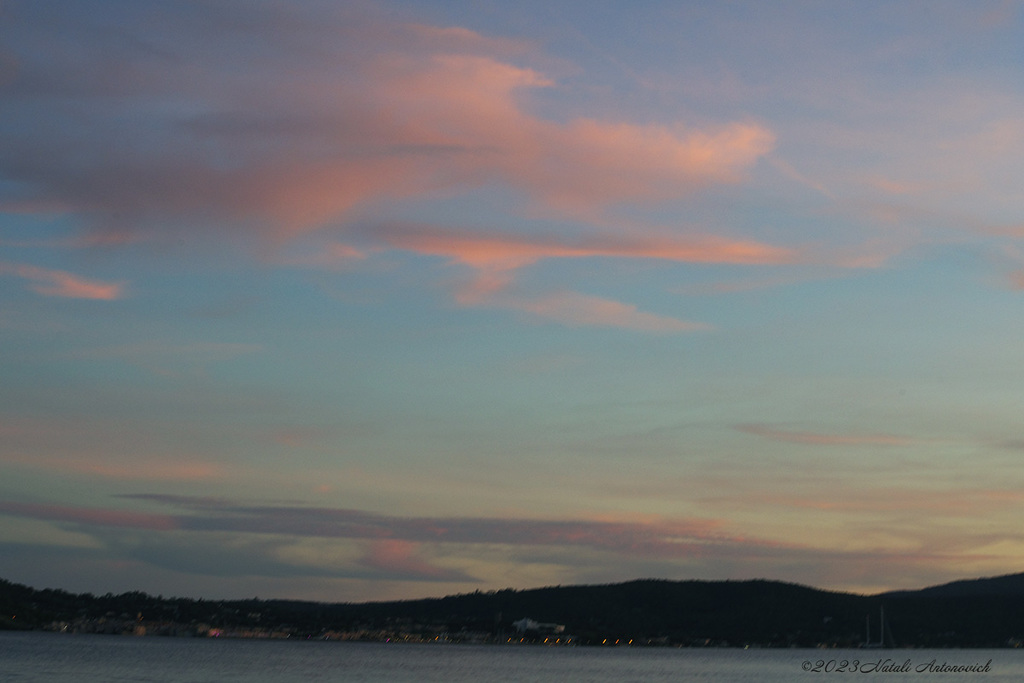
57 658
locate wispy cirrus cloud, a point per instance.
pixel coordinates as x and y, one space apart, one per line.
495 258
507 252
655 537
89 516
235 539
572 309
387 547
59 283
384 112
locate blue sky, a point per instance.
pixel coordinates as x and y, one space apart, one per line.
354 301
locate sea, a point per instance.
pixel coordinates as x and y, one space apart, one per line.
64 658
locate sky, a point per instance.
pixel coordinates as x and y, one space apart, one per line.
374 300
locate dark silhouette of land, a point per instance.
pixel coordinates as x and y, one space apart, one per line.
971 613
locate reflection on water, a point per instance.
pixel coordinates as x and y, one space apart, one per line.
56 658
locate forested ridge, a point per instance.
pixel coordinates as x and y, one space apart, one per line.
972 613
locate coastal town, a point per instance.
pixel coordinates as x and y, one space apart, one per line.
526 631
648 613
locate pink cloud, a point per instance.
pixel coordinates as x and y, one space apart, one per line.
93 516
400 112
379 112
503 252
570 308
63 284
468 104
589 162
495 257
397 558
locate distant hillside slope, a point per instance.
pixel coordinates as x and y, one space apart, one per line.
973 613
1007 585
755 611
644 611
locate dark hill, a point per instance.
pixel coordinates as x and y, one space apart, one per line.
687 612
976 613
1009 585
